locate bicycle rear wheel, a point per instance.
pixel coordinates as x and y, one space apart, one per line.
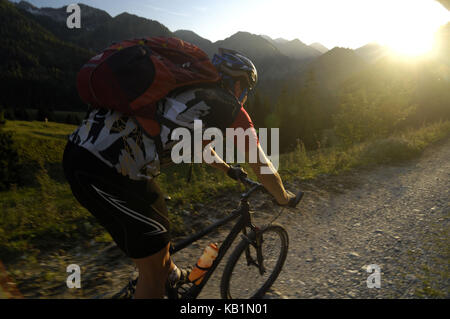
242 278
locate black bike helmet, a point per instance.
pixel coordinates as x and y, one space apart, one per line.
235 65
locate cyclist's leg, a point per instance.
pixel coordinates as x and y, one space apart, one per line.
154 270
123 207
153 273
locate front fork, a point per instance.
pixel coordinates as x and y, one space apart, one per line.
256 242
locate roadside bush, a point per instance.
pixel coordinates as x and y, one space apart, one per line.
389 150
9 159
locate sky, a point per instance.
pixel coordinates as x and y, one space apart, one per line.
406 25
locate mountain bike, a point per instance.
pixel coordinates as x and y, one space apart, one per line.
256 261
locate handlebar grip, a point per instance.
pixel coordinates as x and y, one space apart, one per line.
249 182
294 201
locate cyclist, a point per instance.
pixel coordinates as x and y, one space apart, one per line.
111 165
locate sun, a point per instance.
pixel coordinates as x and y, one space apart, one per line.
416 44
410 28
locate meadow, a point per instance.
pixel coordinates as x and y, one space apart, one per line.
39 212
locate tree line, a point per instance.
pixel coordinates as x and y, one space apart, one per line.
389 96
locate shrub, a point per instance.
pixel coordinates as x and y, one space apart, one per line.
9 159
390 150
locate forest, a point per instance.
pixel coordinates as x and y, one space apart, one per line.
336 98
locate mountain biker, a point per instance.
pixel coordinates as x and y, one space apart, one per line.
111 166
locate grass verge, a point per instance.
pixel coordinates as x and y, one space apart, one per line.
302 164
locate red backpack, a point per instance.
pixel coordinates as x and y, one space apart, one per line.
132 76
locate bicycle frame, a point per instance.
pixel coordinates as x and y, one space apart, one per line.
254 238
244 221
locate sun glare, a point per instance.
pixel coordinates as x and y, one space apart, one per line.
411 27
411 45
406 26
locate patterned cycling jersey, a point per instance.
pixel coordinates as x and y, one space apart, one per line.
120 142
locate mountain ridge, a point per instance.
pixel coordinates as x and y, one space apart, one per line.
99 29
276 59
319 47
36 66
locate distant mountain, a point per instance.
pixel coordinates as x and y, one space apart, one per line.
372 52
335 66
280 62
319 47
36 68
281 40
267 58
297 49
273 66
123 26
98 29
251 44
270 62
294 49
266 37
92 17
54 20
192 37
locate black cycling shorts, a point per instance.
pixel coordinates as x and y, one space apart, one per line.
121 205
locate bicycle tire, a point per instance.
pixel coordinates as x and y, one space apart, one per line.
240 249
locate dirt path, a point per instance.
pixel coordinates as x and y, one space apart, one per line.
394 216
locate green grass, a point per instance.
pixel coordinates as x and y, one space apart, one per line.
40 147
59 116
302 164
42 213
38 130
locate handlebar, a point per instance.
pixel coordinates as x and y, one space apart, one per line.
249 182
293 202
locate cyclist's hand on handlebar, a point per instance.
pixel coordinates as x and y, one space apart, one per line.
236 173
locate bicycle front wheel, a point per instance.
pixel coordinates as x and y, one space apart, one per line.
245 275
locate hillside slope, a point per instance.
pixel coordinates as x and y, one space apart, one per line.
36 68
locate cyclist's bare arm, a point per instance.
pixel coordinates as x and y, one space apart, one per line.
272 182
218 161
